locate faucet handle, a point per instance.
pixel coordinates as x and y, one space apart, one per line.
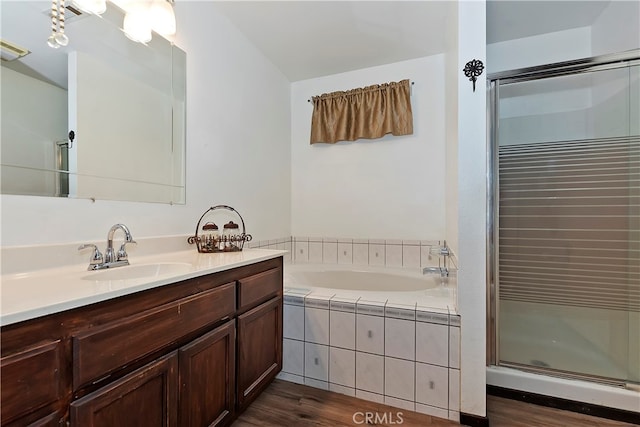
122 253
96 256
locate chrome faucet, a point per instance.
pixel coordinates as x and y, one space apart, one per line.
445 252
111 258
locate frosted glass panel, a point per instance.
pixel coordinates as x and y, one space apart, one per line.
569 224
583 106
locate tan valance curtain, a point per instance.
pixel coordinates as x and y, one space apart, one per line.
369 112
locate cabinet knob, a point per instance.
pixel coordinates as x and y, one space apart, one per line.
316 361
370 334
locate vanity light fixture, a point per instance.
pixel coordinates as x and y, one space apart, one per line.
144 16
163 18
136 25
95 7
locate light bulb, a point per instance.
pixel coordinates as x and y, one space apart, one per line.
163 18
136 24
95 7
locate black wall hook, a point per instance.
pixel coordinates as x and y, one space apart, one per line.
473 69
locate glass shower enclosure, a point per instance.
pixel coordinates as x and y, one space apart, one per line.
565 222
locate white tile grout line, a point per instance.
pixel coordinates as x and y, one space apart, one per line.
414 361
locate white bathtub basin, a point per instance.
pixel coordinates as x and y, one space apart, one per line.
363 280
371 283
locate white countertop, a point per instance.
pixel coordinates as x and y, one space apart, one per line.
26 296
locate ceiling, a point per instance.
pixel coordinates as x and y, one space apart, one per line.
308 39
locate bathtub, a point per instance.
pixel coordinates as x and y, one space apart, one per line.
401 286
397 322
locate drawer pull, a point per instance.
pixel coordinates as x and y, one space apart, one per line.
316 361
370 334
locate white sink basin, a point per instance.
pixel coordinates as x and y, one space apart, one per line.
139 271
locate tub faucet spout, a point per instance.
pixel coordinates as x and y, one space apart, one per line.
442 271
445 253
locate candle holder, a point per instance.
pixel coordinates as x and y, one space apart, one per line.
208 238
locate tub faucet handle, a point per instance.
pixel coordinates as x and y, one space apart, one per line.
440 250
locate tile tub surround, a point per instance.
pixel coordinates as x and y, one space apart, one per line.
403 356
377 252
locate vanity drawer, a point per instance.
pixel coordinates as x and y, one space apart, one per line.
30 379
99 351
259 287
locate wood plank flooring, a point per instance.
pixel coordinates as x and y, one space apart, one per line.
512 413
284 404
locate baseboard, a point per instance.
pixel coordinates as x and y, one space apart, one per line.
564 404
473 420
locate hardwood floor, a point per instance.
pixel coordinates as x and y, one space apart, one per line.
285 404
512 413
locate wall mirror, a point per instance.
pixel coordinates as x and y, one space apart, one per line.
125 102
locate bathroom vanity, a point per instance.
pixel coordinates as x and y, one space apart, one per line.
194 352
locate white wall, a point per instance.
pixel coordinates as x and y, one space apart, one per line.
238 133
391 187
451 123
34 116
472 211
617 28
537 50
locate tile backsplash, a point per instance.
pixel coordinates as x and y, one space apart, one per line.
377 252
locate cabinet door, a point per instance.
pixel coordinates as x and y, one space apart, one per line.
207 378
50 420
30 379
259 349
145 397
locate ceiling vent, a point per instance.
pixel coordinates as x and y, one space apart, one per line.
10 51
71 13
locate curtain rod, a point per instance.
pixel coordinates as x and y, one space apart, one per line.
411 88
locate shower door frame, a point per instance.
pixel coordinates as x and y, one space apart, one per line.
567 68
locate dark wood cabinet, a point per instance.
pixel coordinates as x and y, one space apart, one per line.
30 379
207 378
253 290
51 420
259 349
191 353
145 397
102 350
